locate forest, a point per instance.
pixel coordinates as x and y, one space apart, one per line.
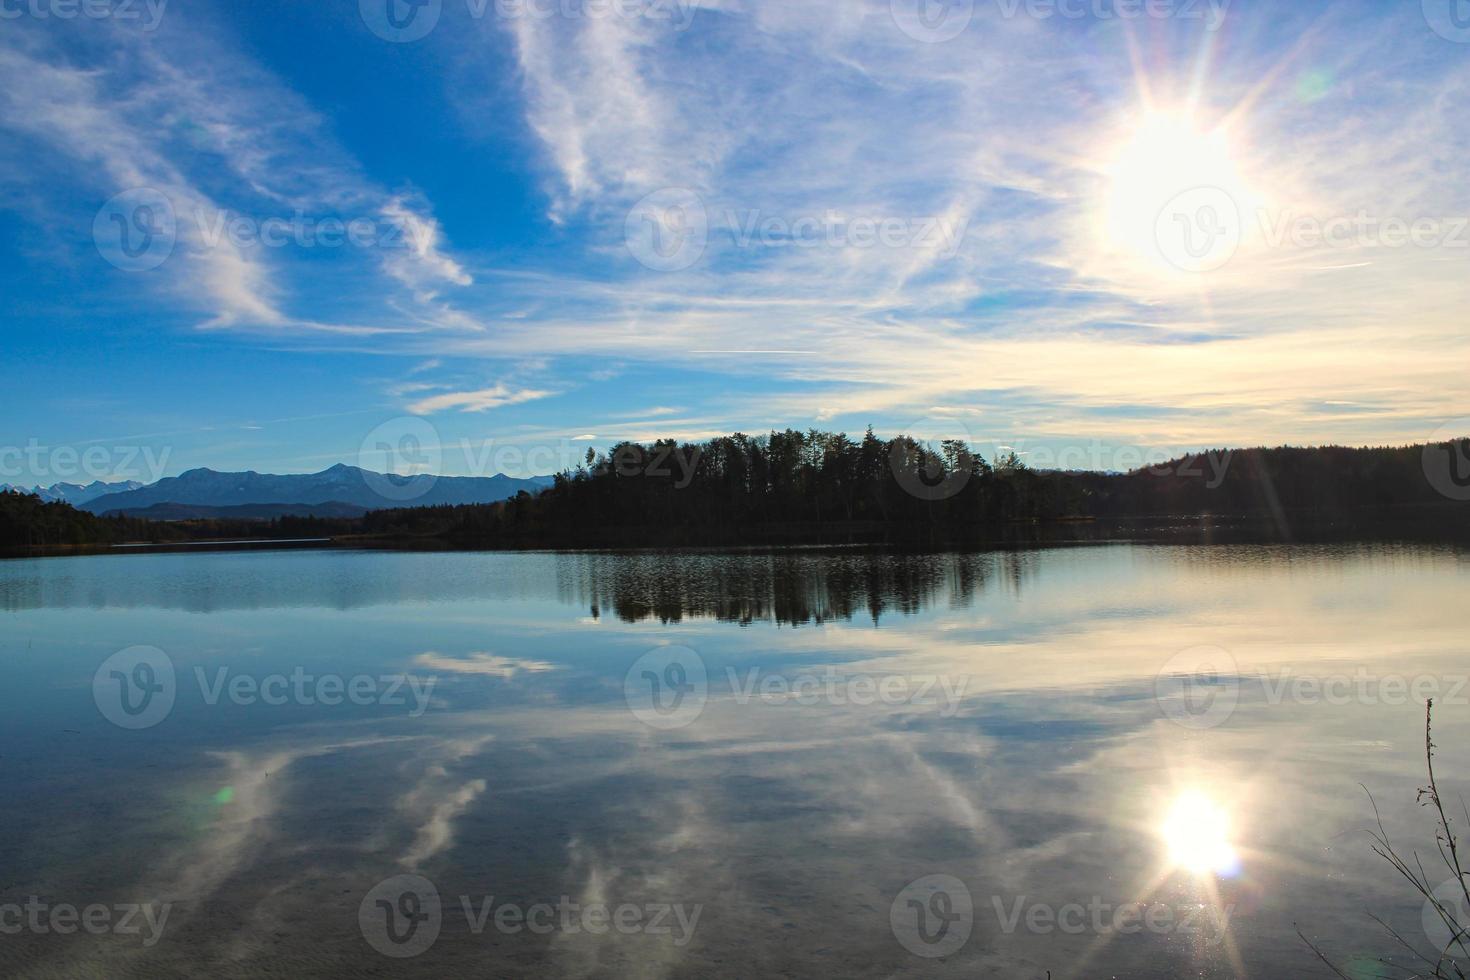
792 486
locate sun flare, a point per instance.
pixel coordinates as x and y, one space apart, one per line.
1196 832
1166 173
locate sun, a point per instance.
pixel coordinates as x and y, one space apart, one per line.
1173 194
1196 832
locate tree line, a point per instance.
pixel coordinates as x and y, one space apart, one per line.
793 485
26 521
790 486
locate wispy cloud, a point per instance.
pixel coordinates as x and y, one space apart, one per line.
1034 317
423 260
488 664
476 401
228 149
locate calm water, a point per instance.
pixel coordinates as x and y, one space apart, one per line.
820 762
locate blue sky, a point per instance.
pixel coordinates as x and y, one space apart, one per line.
1096 237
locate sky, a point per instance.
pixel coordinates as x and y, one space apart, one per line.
475 236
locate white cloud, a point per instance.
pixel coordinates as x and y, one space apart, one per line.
222 140
771 110
482 400
488 664
423 260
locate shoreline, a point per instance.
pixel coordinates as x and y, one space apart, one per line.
1410 525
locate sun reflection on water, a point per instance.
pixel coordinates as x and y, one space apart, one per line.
1196 832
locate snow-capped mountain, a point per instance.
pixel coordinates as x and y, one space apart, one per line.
75 493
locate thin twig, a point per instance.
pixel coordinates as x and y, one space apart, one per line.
1448 846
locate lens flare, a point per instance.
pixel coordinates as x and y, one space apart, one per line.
1159 158
1196 832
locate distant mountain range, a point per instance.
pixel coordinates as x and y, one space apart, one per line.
340 491
74 493
242 512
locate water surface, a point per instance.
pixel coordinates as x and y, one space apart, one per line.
835 762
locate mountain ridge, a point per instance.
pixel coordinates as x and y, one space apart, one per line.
75 494
329 490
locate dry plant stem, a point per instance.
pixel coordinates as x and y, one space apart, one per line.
1444 966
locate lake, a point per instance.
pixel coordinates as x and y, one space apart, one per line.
1113 760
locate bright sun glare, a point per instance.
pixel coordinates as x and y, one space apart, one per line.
1197 833
1161 156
